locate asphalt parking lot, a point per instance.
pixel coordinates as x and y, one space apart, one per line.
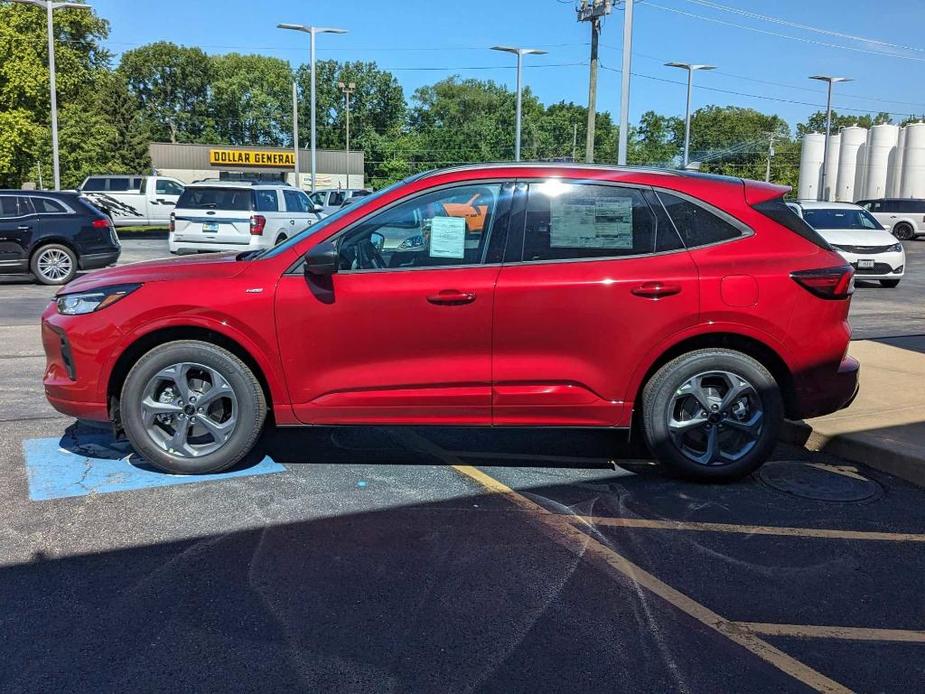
444 560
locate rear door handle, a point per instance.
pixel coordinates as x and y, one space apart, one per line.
451 297
656 290
23 227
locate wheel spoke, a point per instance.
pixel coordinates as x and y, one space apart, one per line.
178 375
177 442
737 389
751 426
152 407
219 431
220 388
681 427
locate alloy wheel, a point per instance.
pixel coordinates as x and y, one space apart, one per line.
54 264
715 418
189 410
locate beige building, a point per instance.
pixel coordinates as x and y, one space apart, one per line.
191 163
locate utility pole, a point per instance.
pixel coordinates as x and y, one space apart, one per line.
767 172
347 89
627 68
49 8
295 131
574 142
593 11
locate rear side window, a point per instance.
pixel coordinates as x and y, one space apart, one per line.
48 206
911 206
572 221
118 184
697 225
234 199
266 201
95 183
780 212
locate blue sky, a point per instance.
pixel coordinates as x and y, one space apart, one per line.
423 41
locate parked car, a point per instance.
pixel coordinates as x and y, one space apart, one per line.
874 252
53 235
238 216
150 203
332 199
905 217
700 307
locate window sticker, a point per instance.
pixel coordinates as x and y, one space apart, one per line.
448 237
591 223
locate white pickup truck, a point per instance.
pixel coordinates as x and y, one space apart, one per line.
132 200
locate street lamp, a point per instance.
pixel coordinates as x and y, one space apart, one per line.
828 127
311 31
347 89
50 7
520 53
691 68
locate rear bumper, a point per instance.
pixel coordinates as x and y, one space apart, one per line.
828 389
94 261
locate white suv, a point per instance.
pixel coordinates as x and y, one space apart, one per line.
904 217
238 216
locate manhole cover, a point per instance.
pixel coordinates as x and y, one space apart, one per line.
818 482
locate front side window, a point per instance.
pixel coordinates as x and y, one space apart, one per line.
163 187
572 221
317 198
11 206
337 198
439 229
296 201
697 225
837 218
266 201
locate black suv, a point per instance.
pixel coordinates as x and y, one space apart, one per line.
53 235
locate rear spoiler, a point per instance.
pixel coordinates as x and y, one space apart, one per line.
757 192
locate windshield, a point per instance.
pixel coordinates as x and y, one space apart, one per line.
196 198
844 219
327 221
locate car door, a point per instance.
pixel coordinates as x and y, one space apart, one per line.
594 278
297 211
164 199
18 225
401 333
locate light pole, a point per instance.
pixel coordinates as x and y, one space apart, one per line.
520 53
50 7
623 134
691 68
311 31
295 131
347 89
828 127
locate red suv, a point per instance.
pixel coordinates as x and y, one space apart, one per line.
698 307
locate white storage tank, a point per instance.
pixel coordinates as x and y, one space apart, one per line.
850 157
811 155
913 171
831 167
896 179
881 149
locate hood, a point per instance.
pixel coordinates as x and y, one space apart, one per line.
205 266
858 237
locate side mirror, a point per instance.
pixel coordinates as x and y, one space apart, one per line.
317 208
322 260
378 241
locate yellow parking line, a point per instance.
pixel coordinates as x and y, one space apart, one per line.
834 632
566 533
826 533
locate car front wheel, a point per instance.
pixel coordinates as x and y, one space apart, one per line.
712 414
191 407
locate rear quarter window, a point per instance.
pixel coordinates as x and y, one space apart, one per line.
235 199
697 225
47 206
94 184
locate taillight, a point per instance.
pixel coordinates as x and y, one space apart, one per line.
100 223
827 283
172 227
258 222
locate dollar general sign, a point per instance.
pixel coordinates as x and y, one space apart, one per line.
250 157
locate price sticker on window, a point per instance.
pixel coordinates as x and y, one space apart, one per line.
448 237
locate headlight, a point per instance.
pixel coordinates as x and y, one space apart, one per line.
94 300
896 248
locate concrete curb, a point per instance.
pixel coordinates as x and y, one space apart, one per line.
858 448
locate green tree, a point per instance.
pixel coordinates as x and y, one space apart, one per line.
816 122
24 95
171 84
654 141
251 100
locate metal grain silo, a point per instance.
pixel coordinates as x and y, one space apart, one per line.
811 155
850 157
913 183
896 178
831 167
881 149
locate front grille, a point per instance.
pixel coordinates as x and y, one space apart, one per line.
877 269
862 250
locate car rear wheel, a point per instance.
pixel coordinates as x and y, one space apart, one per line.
712 414
53 264
191 407
903 231
889 284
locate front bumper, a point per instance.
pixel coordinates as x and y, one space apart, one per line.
883 266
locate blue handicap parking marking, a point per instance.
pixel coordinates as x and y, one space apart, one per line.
94 463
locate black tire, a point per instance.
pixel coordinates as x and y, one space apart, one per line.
889 284
658 403
904 231
250 401
42 270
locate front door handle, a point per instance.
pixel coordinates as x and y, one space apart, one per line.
24 227
656 290
451 297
